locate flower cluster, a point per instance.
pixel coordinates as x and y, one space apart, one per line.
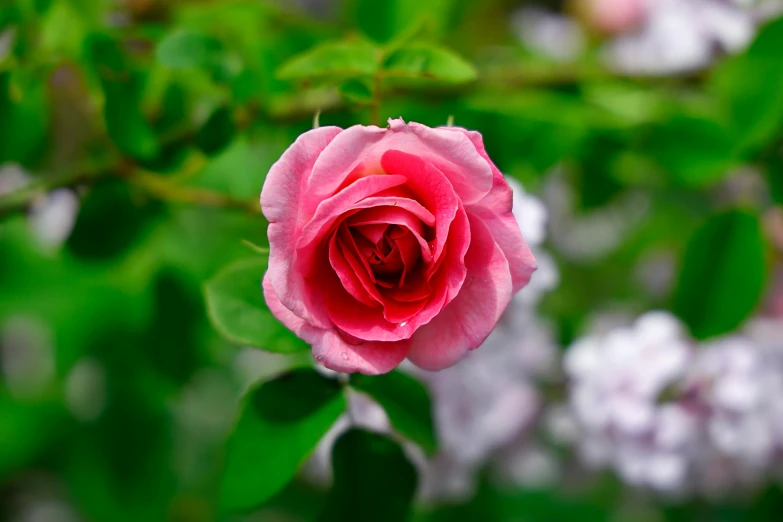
674 416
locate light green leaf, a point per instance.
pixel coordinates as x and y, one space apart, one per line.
188 49
426 61
373 480
236 307
280 424
722 275
332 61
407 403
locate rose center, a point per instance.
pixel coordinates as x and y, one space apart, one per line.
391 251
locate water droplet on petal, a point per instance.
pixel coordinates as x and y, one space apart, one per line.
402 324
320 358
344 356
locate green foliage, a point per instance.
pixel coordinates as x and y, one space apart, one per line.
383 21
369 471
187 49
332 61
695 151
428 62
113 217
722 275
407 403
280 424
24 119
237 308
750 86
122 90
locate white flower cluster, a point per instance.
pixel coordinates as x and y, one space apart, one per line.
671 415
683 35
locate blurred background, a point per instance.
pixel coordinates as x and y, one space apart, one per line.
640 375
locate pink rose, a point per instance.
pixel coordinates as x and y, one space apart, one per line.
391 243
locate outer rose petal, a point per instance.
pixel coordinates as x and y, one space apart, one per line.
465 322
357 152
331 349
495 210
281 204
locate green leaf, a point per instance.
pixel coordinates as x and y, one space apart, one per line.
751 89
112 218
26 430
426 61
373 480
775 179
407 403
356 91
122 90
722 275
188 49
217 132
332 61
237 309
384 21
695 152
280 424
23 118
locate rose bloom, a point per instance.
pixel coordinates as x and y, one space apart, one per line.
387 243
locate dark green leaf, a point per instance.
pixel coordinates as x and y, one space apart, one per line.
383 21
373 480
279 426
722 275
775 179
305 392
333 61
426 61
122 90
407 403
26 430
751 88
236 306
188 49
356 91
217 132
696 152
23 119
111 219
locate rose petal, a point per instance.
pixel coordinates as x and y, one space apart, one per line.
331 349
395 216
281 205
468 173
432 189
495 210
467 320
349 275
330 209
357 152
